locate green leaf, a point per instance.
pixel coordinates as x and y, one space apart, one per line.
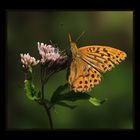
72 96
31 92
58 91
38 94
96 102
66 105
62 94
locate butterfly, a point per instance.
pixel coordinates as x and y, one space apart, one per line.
88 62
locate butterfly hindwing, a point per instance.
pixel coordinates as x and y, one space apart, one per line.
82 76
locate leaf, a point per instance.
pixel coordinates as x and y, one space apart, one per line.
58 91
38 94
96 102
70 96
66 105
62 94
30 90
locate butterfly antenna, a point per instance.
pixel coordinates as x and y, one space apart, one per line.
80 36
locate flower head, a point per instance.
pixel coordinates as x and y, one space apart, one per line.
51 57
27 60
48 53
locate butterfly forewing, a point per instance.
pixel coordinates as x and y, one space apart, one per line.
102 58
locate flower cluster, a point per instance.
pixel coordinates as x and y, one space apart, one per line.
27 60
51 59
48 53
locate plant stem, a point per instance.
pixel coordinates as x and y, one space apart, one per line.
42 89
49 114
42 83
44 103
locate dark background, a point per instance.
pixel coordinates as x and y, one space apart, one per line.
111 28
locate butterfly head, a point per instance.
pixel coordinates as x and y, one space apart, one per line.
73 47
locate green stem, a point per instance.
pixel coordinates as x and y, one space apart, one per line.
42 89
49 114
45 104
42 82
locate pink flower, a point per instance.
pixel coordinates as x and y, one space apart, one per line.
48 53
27 60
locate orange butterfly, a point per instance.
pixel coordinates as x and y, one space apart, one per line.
88 62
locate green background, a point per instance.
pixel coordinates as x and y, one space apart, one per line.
111 28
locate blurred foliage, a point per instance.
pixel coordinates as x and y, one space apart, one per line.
112 28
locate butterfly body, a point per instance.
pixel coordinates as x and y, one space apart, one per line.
87 63
73 48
